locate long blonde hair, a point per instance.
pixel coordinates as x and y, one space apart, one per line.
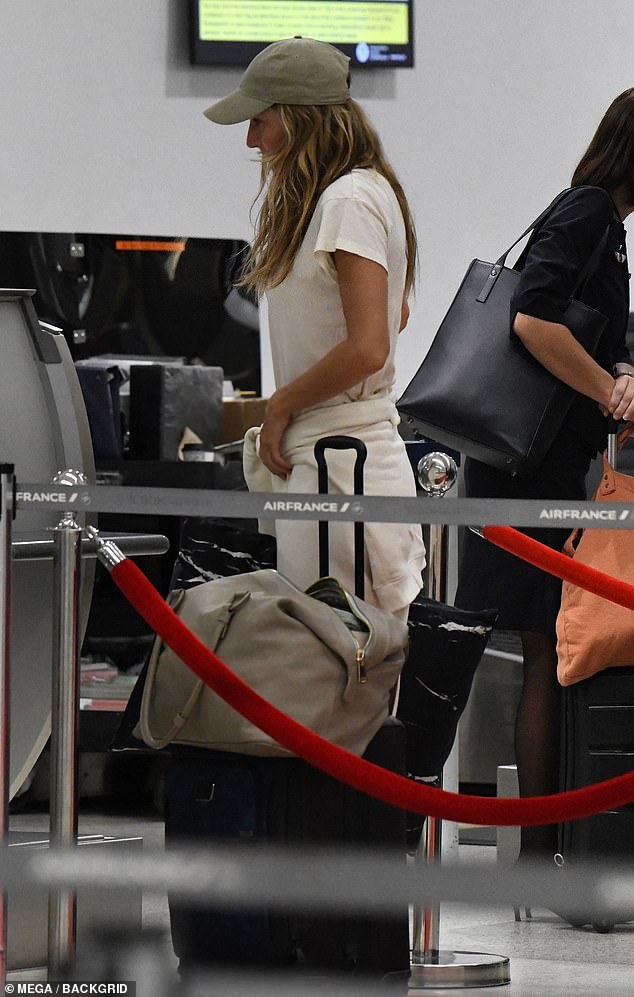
323 144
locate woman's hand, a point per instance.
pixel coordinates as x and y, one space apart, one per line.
621 404
276 419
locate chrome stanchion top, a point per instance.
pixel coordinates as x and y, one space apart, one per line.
108 552
437 473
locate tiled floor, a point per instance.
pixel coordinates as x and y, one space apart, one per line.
548 958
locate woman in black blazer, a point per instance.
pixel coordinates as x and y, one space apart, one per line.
602 196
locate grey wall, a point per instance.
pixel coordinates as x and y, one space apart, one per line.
102 126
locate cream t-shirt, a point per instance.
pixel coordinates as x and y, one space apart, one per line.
358 213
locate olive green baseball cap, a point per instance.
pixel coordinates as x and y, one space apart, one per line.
291 71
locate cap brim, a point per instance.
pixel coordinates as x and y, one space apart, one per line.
235 107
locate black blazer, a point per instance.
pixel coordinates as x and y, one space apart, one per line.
549 272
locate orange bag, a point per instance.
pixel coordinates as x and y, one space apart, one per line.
594 633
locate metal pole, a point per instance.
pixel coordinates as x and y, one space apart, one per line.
612 449
437 473
430 966
62 917
7 487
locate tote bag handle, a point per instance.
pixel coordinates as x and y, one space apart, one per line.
538 221
585 272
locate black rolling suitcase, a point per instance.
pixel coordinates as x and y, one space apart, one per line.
598 740
243 799
598 744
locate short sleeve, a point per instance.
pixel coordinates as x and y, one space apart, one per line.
561 248
353 225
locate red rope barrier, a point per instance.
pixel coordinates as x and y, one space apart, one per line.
344 766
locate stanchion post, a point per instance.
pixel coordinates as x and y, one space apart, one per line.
437 473
430 967
7 511
62 914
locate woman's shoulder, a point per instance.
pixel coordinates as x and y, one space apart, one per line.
585 203
368 190
358 184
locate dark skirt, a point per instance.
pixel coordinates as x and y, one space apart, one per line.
526 597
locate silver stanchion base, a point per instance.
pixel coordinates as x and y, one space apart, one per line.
454 970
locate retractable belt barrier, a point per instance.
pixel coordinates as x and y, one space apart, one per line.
337 762
369 508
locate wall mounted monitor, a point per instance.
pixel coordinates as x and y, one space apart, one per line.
371 32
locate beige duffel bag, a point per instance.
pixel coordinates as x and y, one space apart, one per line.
325 657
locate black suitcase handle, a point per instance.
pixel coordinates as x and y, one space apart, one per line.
342 443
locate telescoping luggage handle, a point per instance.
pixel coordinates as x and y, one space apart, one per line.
342 443
618 434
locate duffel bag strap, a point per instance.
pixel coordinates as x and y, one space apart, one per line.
222 621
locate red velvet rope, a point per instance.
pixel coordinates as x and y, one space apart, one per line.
344 766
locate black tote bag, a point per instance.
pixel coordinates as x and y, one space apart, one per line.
478 389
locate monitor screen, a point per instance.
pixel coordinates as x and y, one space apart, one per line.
370 32
165 295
